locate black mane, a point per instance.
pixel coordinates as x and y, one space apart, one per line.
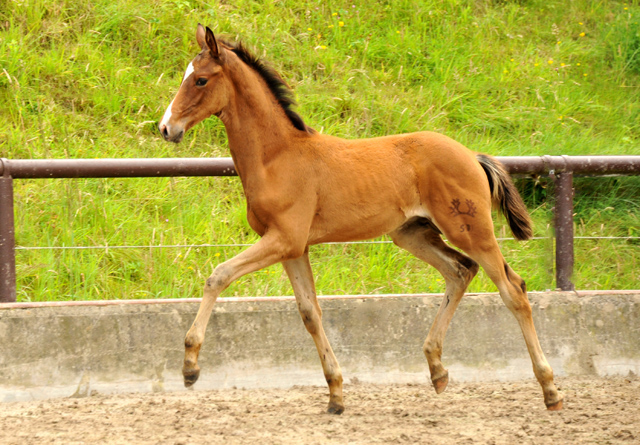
276 84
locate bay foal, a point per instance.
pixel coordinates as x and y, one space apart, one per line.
305 188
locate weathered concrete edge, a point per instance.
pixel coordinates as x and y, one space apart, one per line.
37 304
54 350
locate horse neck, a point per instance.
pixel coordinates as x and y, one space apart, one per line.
257 127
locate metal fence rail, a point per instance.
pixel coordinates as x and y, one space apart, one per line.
559 168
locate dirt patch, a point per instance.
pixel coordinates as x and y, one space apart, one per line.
596 411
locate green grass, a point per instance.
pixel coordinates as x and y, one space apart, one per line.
90 79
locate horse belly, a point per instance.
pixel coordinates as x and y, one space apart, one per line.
364 191
355 222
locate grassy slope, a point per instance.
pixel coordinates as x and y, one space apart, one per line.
90 79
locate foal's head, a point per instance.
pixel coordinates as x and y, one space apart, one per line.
204 90
208 87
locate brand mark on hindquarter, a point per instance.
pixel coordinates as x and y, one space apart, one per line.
456 210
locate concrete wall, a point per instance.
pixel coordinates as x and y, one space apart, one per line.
62 349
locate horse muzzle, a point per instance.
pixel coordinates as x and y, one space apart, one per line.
170 133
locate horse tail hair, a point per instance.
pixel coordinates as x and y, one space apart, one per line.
506 198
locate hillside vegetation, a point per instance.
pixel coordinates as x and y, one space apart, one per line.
91 79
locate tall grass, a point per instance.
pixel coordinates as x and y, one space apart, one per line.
90 79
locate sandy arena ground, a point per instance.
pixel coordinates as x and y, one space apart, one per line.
596 410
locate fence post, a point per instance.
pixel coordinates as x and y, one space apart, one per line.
564 229
7 237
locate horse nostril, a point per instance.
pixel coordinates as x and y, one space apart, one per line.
173 136
164 131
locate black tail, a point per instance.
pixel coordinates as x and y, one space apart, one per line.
505 196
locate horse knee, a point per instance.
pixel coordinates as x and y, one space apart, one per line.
218 281
310 318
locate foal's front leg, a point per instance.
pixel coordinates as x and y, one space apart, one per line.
269 250
301 277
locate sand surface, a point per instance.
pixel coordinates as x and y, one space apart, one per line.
596 410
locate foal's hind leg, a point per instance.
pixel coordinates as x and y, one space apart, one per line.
513 291
457 269
299 272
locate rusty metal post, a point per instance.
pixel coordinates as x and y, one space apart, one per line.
564 229
7 237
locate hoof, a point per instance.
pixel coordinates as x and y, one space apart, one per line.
190 375
440 384
557 406
335 408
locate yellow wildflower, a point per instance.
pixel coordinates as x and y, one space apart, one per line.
550 62
334 14
309 29
330 26
582 34
341 24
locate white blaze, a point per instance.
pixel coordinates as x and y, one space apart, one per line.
188 72
167 114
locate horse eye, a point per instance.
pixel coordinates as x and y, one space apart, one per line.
202 81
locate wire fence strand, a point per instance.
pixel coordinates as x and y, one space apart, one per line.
191 246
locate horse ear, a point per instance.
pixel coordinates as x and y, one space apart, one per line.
210 40
200 37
